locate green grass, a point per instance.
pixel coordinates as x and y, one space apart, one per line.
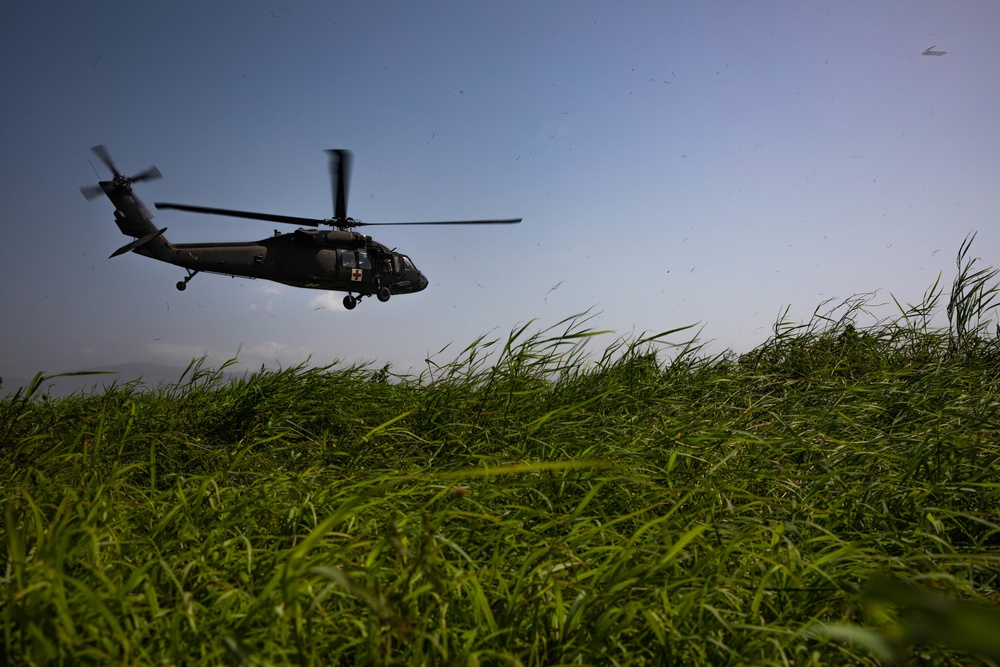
831 497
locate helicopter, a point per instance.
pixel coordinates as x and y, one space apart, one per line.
339 259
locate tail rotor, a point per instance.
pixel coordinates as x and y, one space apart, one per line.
120 181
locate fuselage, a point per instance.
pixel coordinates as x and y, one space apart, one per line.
304 258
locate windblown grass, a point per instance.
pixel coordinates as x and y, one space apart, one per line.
527 503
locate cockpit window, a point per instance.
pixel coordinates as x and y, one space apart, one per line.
407 263
363 261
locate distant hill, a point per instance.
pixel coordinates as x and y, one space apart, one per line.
150 375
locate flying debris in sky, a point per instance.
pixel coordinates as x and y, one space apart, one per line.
929 51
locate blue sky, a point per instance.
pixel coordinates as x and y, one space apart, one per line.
675 163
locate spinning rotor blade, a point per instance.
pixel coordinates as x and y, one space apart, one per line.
349 223
150 174
102 153
286 219
340 181
505 221
92 192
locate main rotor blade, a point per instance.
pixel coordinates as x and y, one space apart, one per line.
506 221
286 219
340 180
316 222
101 152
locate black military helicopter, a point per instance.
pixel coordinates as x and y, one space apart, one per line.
340 259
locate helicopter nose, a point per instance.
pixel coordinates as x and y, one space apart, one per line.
421 282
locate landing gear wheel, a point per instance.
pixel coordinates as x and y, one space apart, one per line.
182 284
350 302
383 294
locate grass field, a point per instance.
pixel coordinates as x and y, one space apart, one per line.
831 497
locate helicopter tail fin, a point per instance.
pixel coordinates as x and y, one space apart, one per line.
138 243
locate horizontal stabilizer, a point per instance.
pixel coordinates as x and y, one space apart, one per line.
138 243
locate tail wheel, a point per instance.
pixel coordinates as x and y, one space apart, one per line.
182 284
